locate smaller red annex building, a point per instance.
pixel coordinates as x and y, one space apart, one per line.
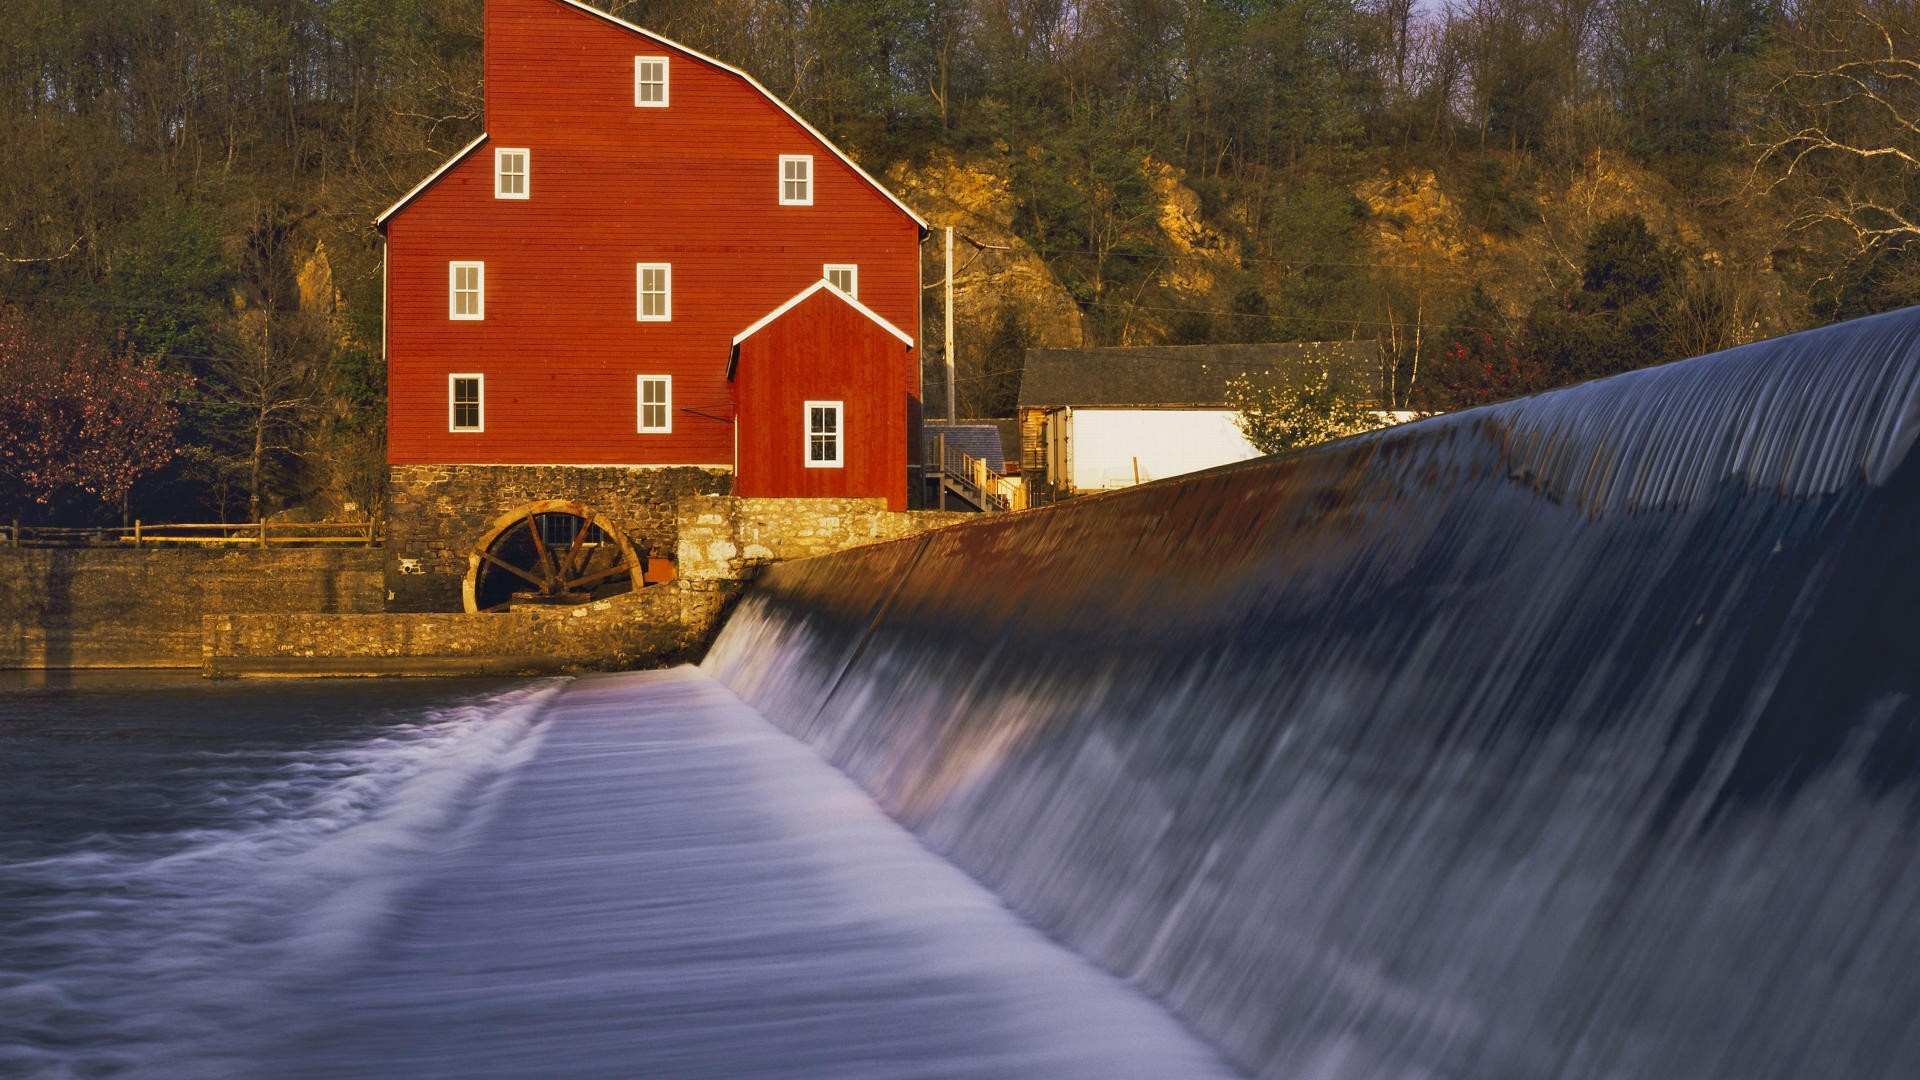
817 401
649 261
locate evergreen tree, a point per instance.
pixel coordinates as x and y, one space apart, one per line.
1617 317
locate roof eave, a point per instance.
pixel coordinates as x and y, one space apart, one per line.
433 178
770 317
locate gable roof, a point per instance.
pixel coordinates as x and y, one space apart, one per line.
432 178
1193 376
769 318
698 55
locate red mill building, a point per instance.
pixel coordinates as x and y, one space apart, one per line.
648 279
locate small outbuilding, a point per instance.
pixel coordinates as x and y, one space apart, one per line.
1096 419
819 412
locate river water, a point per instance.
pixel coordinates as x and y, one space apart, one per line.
623 876
1575 736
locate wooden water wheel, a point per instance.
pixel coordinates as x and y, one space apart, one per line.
549 552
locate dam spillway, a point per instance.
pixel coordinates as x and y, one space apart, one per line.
1574 736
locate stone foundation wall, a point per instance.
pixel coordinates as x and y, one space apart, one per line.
322 607
723 543
654 627
90 608
724 539
436 513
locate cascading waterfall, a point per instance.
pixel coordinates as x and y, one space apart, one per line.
1571 736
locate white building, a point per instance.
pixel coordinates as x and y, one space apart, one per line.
1096 419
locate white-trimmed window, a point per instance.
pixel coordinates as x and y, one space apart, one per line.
656 403
796 180
825 434
654 283
466 402
844 276
650 82
466 290
510 173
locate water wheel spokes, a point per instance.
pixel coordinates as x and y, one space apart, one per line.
536 582
549 552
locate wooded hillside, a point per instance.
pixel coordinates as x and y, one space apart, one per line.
1508 194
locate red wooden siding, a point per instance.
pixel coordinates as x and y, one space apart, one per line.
694 184
822 349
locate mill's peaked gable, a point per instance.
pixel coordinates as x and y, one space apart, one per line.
632 207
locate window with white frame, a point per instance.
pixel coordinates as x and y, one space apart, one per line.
824 434
654 282
466 402
467 290
510 173
656 403
650 82
844 276
796 180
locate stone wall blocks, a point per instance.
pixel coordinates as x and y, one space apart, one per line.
720 541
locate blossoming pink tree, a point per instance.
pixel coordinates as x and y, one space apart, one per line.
77 415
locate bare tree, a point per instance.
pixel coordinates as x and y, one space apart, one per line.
267 386
1841 134
269 383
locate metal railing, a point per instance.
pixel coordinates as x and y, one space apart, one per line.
245 534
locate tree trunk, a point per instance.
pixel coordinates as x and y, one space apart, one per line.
259 452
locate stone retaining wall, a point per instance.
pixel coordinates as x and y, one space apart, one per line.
125 607
149 607
726 539
435 514
723 543
654 627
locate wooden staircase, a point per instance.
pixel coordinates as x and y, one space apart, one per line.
963 476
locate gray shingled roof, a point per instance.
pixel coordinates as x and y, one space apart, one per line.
980 440
1179 375
1009 429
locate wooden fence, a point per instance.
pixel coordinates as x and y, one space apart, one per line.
247 534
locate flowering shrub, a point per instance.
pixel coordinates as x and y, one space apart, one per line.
1280 417
1483 368
77 415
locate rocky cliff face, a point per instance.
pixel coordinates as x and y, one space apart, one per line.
1420 240
1424 223
993 266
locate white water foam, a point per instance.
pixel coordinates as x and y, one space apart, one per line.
1064 1012
160 954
